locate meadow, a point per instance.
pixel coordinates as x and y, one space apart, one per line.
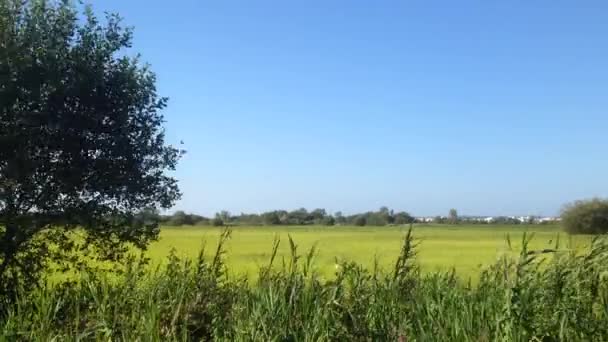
523 288
466 248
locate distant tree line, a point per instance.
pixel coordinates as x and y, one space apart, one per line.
298 217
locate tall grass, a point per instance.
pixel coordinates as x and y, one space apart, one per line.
548 295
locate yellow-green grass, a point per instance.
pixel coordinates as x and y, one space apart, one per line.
466 248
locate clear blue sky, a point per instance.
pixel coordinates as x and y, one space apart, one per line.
491 107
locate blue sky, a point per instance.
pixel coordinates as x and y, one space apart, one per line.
489 107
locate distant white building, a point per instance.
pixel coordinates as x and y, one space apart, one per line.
549 219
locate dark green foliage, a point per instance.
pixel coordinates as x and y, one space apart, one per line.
217 222
180 218
453 216
340 219
224 216
548 295
586 217
376 219
403 218
271 218
301 216
360 221
505 220
148 216
317 216
329 221
81 141
439 219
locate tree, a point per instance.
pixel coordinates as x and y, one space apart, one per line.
403 218
299 216
271 218
329 221
376 219
217 221
453 216
360 221
180 218
224 215
81 141
148 215
386 215
340 219
438 219
317 216
586 217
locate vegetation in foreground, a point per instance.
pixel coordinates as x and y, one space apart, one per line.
82 143
522 298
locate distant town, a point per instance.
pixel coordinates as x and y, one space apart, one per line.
492 219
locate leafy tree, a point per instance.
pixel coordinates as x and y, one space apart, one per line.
329 221
453 216
317 216
221 218
586 217
299 216
403 218
217 221
198 219
438 219
505 220
81 141
360 221
225 215
271 218
385 216
376 219
283 217
248 219
179 218
340 219
147 216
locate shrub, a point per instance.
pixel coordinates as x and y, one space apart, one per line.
329 221
586 217
360 221
376 219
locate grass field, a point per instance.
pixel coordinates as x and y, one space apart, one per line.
520 297
464 247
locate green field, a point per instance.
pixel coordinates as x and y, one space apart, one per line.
524 297
463 247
